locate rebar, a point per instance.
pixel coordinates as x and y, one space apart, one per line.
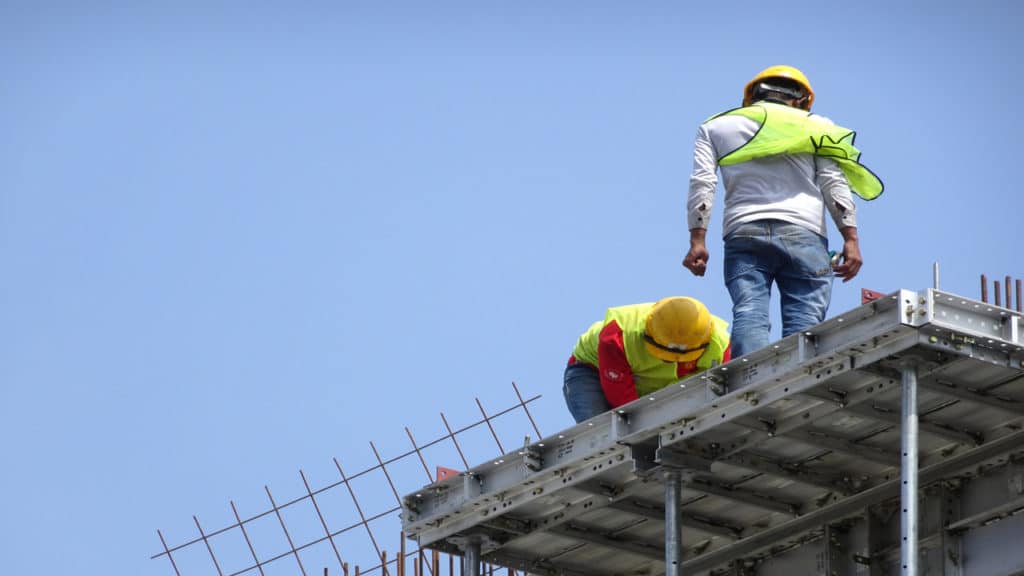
422 564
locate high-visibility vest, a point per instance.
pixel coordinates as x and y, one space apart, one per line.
649 373
787 130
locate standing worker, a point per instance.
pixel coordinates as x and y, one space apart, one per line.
782 166
640 348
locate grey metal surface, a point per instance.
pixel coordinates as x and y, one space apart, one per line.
804 443
908 471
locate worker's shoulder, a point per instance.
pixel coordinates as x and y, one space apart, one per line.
821 118
726 122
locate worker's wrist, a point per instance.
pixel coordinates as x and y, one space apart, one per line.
697 235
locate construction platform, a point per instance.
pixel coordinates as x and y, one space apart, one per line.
887 440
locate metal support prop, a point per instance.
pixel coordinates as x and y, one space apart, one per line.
673 521
472 558
908 473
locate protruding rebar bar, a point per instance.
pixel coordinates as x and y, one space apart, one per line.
426 565
245 534
359 509
208 547
984 288
168 552
527 410
321 516
458 448
487 419
284 528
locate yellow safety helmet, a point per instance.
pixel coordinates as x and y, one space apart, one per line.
788 72
677 329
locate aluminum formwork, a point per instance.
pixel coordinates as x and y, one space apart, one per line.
802 457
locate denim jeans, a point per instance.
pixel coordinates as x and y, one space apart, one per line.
795 259
583 393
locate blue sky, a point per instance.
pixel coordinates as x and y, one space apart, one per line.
240 239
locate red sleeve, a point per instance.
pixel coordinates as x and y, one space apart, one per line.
616 374
727 355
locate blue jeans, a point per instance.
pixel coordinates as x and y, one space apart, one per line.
583 393
796 259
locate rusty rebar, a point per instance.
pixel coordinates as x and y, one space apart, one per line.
984 288
419 454
168 552
400 560
487 419
245 535
284 528
208 547
451 435
527 410
995 293
425 564
1009 298
320 515
359 508
1018 295
398 499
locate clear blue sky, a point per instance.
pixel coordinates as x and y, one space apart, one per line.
242 238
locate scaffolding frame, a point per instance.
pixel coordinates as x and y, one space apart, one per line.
746 456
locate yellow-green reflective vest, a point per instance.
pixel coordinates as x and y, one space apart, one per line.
786 130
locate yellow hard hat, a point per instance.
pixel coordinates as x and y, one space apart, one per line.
678 329
787 72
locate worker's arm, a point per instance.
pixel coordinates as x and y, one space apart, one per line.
851 262
696 259
616 373
835 191
699 201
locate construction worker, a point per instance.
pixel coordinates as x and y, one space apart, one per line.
782 167
640 348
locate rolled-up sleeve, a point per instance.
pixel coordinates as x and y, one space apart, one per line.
835 191
703 180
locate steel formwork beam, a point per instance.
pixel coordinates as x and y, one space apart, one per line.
677 415
852 504
891 416
712 526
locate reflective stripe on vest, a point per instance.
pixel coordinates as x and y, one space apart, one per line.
786 130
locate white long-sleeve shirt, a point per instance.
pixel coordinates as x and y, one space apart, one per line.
795 188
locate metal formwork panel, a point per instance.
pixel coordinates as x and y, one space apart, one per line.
777 450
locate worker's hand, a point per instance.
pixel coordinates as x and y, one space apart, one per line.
696 260
851 261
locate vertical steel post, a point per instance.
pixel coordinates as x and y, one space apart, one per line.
673 521
935 274
472 558
908 472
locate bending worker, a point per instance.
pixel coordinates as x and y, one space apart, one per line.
782 168
640 348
